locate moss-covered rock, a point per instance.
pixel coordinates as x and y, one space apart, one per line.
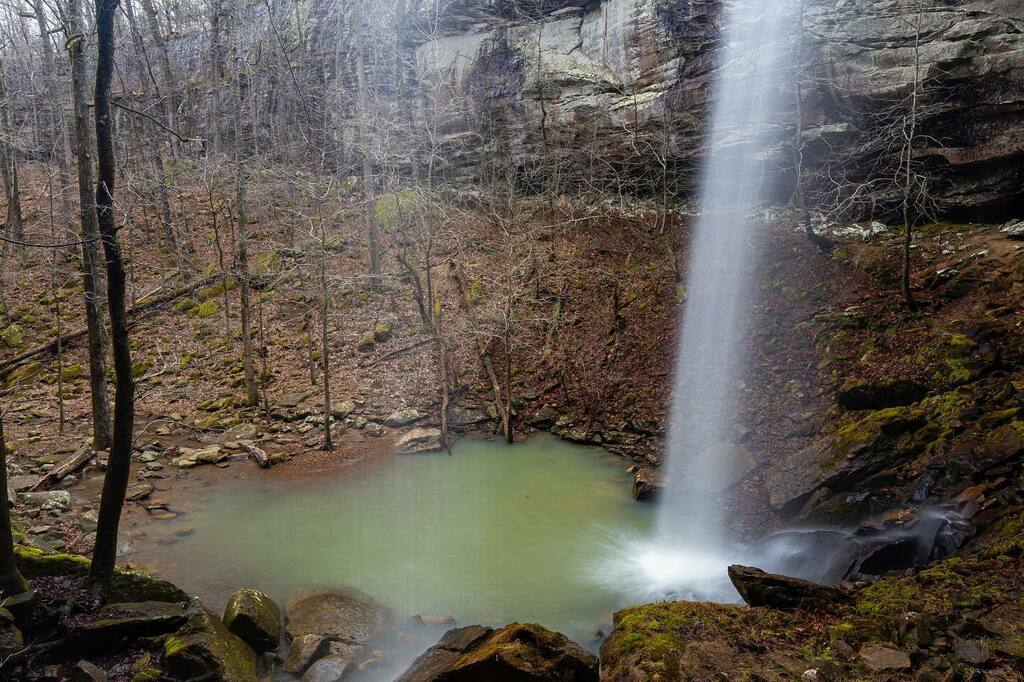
204 647
366 343
25 374
71 372
701 641
207 309
12 336
382 332
216 289
255 618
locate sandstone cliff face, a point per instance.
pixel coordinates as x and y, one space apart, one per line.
626 82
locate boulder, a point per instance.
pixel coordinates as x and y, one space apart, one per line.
647 484
84 671
404 417
305 650
255 618
880 658
759 588
544 418
335 615
515 652
56 500
11 638
418 440
205 648
328 669
382 332
1014 229
877 395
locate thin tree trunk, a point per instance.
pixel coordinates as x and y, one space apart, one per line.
153 141
169 97
325 348
9 169
252 395
216 72
372 244
55 94
11 580
115 483
92 280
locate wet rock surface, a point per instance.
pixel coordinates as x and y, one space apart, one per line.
759 588
515 652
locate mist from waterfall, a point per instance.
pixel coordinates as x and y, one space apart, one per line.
691 550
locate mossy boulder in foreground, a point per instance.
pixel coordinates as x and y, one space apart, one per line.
254 617
515 652
205 649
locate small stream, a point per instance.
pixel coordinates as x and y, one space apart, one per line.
489 534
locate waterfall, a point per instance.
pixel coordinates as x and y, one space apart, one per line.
691 548
709 359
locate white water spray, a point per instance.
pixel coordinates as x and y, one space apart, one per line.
691 550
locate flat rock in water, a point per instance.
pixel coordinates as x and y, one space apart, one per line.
335 615
759 588
515 652
418 440
879 658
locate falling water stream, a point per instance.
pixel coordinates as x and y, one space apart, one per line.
691 547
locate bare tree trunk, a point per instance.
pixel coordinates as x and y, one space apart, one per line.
325 348
153 140
509 434
91 278
910 139
55 94
167 88
216 72
9 169
372 244
115 483
11 580
252 395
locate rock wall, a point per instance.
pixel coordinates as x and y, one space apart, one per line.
618 89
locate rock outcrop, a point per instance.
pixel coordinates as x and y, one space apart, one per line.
568 80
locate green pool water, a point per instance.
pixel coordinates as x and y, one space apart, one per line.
489 534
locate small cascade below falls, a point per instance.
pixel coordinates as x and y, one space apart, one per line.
691 550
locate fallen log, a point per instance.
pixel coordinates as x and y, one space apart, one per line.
51 346
259 455
68 466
